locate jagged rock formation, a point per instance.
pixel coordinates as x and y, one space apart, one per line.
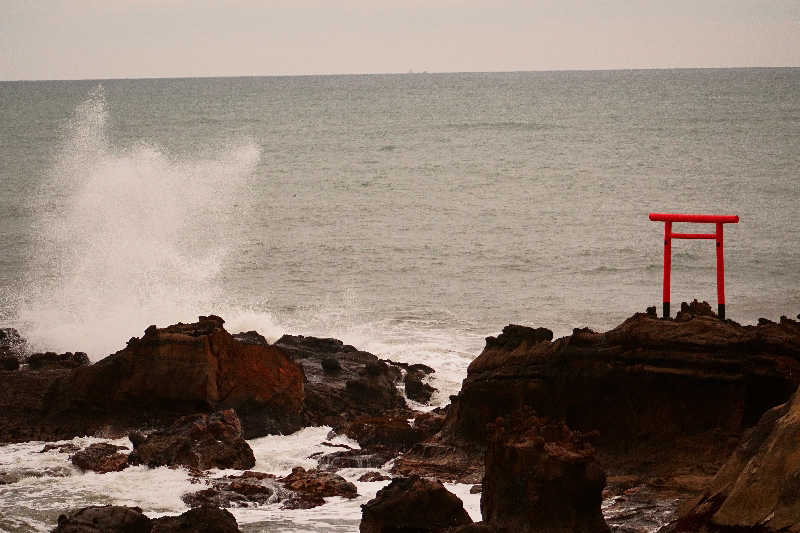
758 488
541 477
169 372
342 383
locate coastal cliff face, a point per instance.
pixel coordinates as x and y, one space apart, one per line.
661 395
758 488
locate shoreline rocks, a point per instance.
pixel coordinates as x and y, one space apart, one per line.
101 457
342 383
645 386
413 504
198 441
169 372
121 519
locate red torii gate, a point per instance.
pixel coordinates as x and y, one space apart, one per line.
719 220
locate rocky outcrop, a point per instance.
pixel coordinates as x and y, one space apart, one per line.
120 519
541 477
199 441
179 370
758 488
664 395
23 406
101 457
413 504
416 388
39 361
342 383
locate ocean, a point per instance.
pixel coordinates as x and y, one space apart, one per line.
409 215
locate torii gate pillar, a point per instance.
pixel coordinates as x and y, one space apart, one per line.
719 220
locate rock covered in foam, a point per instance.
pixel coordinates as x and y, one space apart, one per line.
101 457
199 441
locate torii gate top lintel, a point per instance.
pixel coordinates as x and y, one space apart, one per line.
719 220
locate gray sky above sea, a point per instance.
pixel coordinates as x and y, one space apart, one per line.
86 39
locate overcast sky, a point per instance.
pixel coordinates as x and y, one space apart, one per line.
77 39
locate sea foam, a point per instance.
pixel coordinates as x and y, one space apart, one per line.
128 236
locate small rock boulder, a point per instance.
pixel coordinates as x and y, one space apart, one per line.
413 504
311 486
541 477
200 441
373 476
101 457
104 519
204 519
416 388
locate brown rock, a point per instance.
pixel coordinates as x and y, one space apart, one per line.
182 369
342 382
541 477
644 386
199 520
200 441
389 432
101 457
373 476
120 519
758 489
39 361
412 504
311 486
104 519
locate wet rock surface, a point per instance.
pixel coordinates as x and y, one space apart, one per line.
413 504
14 475
101 457
310 487
342 382
302 489
200 441
120 519
541 477
245 490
